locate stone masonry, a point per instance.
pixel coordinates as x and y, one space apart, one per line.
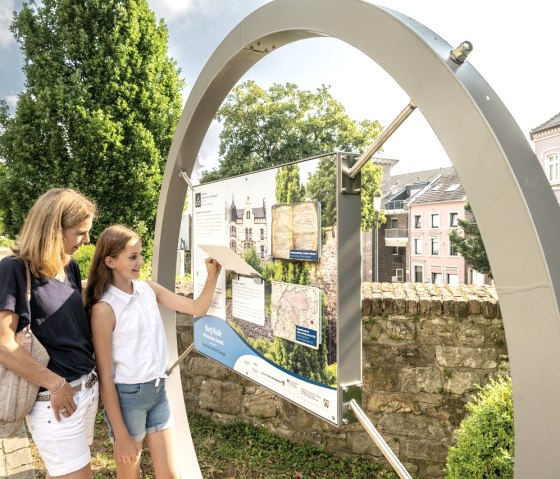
425 350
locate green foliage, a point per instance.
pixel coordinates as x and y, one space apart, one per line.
252 258
244 451
470 244
485 439
98 114
83 257
263 128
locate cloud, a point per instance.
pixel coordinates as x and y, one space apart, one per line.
6 9
12 101
174 10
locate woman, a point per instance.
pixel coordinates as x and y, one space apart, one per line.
131 349
61 422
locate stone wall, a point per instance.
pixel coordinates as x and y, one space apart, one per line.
425 348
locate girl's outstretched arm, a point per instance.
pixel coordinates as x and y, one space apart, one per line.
196 307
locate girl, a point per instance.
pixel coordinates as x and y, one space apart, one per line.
61 422
131 349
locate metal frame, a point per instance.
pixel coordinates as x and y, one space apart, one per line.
515 207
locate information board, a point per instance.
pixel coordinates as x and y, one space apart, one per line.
273 317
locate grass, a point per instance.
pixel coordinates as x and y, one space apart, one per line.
240 451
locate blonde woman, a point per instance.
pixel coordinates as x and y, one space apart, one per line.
61 422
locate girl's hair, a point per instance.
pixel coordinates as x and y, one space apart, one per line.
111 242
40 240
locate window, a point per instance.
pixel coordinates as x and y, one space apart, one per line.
418 221
248 215
232 231
418 274
452 279
396 251
437 278
435 245
233 246
262 233
453 220
398 276
394 223
262 251
435 220
417 245
453 250
551 167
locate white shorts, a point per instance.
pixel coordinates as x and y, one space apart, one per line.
64 445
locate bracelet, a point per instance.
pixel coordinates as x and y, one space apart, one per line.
60 388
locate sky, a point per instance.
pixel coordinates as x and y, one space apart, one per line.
514 50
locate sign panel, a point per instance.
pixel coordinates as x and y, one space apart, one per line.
273 317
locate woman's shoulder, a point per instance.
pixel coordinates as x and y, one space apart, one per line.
9 264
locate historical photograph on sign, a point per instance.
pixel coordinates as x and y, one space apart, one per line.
275 320
296 231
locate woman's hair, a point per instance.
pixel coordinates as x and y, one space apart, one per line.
41 238
111 242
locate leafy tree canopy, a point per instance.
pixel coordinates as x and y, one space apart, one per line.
470 243
100 106
265 128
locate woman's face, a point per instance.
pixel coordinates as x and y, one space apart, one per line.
76 236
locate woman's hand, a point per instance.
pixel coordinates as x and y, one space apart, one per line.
62 401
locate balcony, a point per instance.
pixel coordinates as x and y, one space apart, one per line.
396 237
395 206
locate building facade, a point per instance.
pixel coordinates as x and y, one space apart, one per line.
248 227
546 138
433 214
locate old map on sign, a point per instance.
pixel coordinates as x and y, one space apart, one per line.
296 313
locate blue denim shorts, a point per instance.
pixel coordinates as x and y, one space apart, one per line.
144 408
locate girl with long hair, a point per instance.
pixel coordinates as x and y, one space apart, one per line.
131 349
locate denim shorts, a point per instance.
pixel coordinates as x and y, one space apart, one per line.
144 408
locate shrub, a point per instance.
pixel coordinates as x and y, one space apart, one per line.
83 257
6 242
485 440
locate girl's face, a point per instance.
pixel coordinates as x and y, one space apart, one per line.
76 236
128 262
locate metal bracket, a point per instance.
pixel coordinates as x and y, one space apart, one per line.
349 185
184 354
183 174
350 392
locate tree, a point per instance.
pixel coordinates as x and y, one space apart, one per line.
470 244
98 113
262 128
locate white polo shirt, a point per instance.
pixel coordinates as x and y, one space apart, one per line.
139 346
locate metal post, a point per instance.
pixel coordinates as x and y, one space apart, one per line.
377 246
381 139
185 353
379 441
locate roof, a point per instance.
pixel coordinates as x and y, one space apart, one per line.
395 185
445 188
550 123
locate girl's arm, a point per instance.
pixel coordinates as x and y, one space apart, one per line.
22 364
102 325
196 307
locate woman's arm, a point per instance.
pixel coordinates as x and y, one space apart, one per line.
21 363
102 325
196 307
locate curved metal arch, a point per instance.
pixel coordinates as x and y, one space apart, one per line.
514 204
